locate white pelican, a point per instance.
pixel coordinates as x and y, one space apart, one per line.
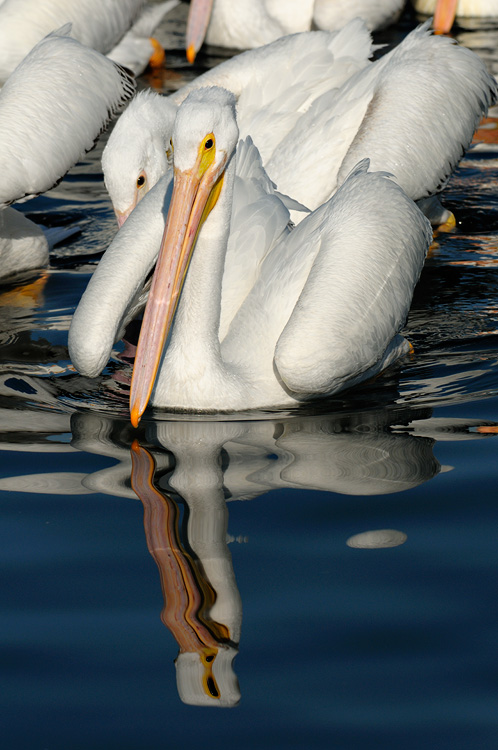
285 315
100 24
316 93
251 23
52 109
275 85
445 11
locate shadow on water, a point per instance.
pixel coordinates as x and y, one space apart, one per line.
344 552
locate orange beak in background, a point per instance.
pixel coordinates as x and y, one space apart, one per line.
444 16
158 54
197 23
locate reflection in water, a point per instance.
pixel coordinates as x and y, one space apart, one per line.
185 471
481 36
207 647
377 539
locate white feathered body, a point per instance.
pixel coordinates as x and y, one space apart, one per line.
52 109
274 84
96 23
317 93
288 315
252 23
397 114
332 14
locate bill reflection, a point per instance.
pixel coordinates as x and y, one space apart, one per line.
203 612
185 472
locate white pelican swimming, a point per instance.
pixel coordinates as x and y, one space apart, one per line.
52 109
269 315
316 93
445 11
100 24
250 23
275 85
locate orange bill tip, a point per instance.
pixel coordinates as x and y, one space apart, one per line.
191 53
444 16
158 55
135 416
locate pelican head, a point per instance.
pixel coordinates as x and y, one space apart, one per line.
138 152
204 138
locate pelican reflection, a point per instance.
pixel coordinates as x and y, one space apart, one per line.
207 644
185 472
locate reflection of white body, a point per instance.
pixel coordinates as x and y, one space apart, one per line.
203 462
250 23
288 315
351 455
52 109
199 483
315 106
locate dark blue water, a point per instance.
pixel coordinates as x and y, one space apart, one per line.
318 644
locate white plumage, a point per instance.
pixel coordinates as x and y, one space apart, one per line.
252 23
100 24
316 94
275 85
52 109
277 318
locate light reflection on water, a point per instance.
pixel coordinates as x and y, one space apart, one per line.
338 646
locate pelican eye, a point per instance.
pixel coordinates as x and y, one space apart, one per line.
141 181
207 152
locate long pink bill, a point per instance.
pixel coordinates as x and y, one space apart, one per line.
444 16
190 195
197 23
